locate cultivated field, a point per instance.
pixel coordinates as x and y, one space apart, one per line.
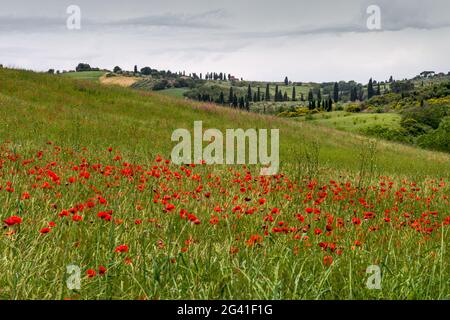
86 180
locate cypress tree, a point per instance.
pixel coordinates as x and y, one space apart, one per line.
310 97
221 98
231 96
258 98
276 93
330 104
378 89
294 95
255 97
241 103
267 93
319 96
336 92
370 91
249 93
285 97
235 101
352 94
286 81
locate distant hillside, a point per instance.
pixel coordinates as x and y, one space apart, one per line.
35 108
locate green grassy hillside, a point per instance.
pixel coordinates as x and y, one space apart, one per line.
85 75
66 111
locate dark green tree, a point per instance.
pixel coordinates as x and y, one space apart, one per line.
267 93
146 71
370 91
83 67
231 96
353 94
294 94
249 93
286 81
336 92
241 103
310 97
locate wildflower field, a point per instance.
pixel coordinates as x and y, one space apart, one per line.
86 180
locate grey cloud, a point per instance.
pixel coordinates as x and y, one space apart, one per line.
395 16
204 20
14 23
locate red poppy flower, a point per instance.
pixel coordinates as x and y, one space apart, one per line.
91 273
122 248
170 207
77 218
101 270
45 230
13 220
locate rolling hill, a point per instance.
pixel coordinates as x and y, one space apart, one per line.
48 107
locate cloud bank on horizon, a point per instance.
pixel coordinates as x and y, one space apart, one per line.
322 40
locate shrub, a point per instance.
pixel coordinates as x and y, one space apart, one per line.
413 127
387 133
160 85
438 139
353 108
428 115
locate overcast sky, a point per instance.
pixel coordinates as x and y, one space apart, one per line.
320 40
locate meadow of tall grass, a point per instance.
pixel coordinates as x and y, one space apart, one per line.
86 180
